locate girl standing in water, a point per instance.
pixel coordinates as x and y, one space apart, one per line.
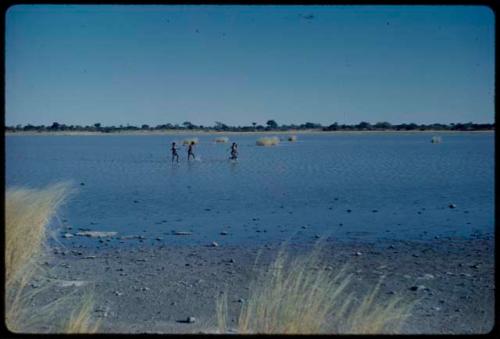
234 151
190 150
174 152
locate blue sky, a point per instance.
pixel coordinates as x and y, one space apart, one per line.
242 64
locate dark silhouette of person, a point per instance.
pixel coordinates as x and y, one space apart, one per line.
174 152
190 150
234 151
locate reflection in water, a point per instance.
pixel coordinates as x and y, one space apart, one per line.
174 168
233 167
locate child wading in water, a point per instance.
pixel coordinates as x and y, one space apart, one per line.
190 150
174 152
234 151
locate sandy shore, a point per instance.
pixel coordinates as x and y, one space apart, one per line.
154 288
213 132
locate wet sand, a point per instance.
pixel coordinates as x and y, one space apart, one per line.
154 288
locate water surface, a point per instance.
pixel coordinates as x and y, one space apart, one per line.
396 185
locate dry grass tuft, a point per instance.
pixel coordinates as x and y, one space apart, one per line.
436 140
301 296
221 139
268 141
28 213
189 141
80 320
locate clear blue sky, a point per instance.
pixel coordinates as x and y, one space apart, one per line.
239 64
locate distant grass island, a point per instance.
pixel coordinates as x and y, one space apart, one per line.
271 126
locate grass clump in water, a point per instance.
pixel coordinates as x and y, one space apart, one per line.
188 141
268 141
221 139
301 296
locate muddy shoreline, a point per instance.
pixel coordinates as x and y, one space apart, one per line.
154 288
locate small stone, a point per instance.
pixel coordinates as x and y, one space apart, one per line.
145 289
159 238
68 235
95 234
118 293
304 227
82 184
452 206
241 300
182 233
374 211
224 233
214 244
417 288
232 261
428 276
190 320
348 211
357 254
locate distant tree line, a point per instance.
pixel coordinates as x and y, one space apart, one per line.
271 125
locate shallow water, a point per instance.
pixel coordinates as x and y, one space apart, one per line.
396 185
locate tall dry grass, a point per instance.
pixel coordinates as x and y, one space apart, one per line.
301 296
28 213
